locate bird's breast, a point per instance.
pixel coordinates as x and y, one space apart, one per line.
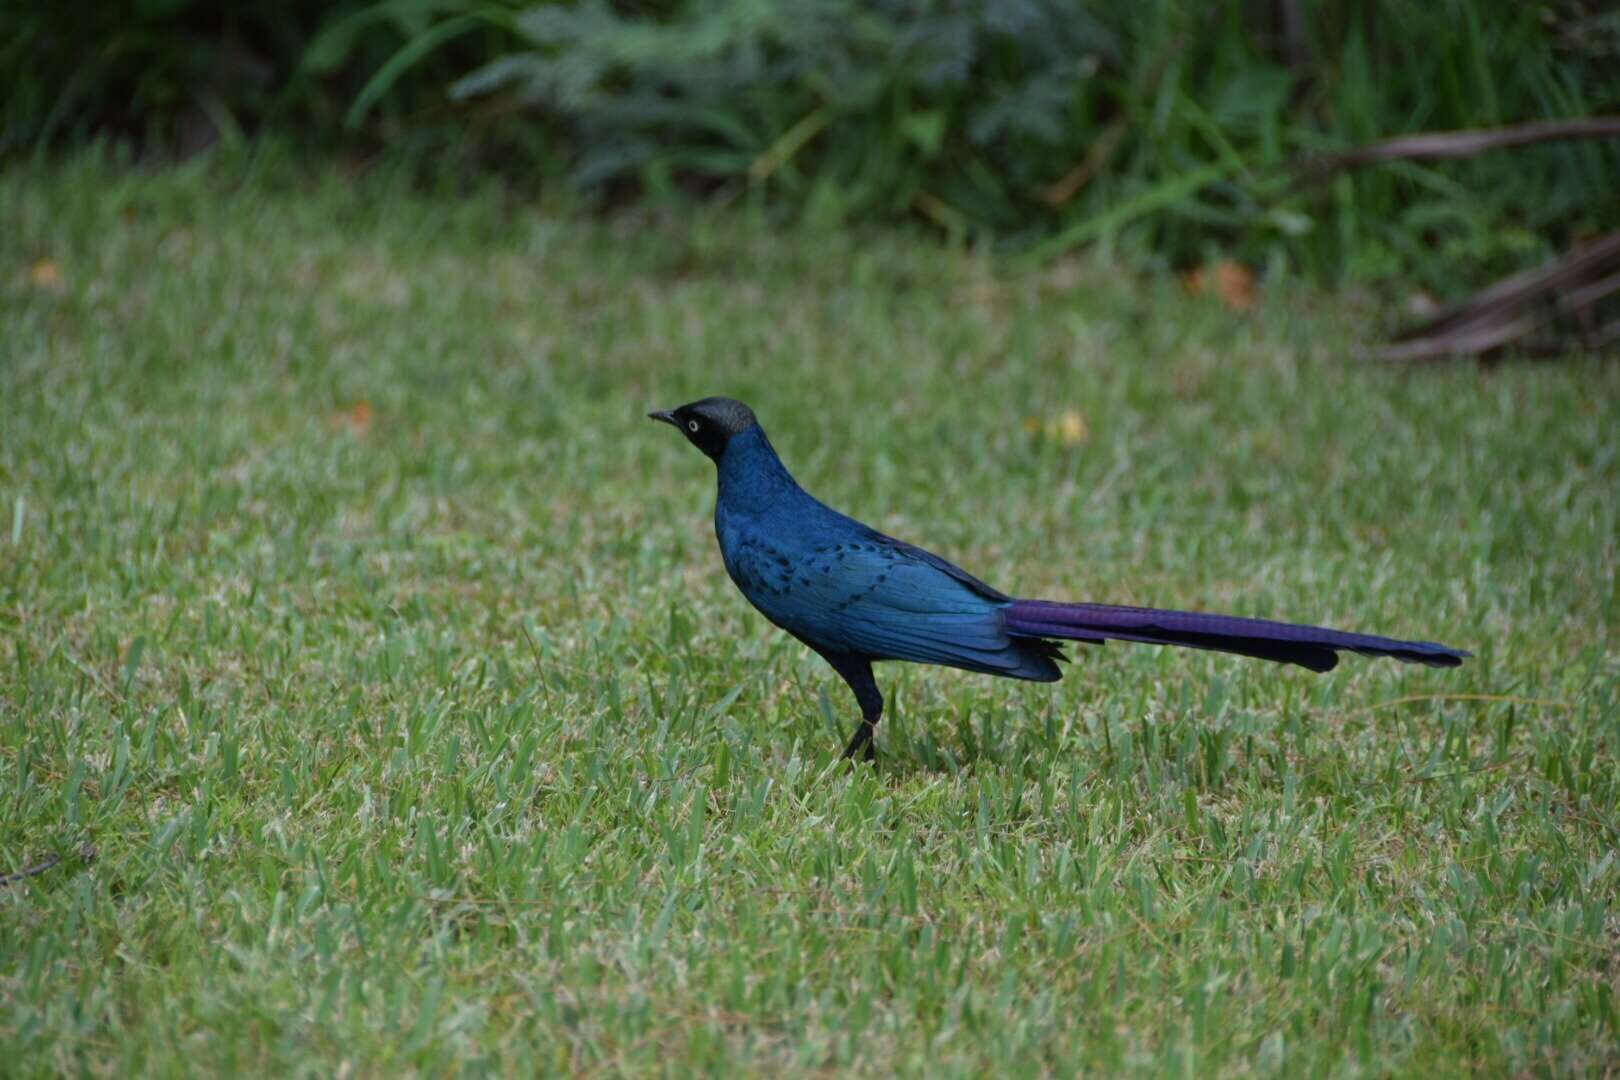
760 564
791 577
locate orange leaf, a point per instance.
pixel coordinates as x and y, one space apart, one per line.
1231 281
1235 283
45 274
356 418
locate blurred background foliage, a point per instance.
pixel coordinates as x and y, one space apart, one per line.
1170 128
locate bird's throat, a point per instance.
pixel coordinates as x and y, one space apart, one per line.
752 478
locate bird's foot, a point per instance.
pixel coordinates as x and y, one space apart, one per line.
862 744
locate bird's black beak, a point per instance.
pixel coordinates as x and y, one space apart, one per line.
666 415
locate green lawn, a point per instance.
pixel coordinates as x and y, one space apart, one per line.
366 657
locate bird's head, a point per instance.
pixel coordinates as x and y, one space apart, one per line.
709 424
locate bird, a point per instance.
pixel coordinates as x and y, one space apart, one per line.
856 596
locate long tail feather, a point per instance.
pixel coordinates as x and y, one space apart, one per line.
1308 646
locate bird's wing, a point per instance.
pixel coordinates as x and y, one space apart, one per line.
944 566
888 600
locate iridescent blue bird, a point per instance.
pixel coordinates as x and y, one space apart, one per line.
855 595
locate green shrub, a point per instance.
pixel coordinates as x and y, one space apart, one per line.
159 70
1169 126
972 115
174 75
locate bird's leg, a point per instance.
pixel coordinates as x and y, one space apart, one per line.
862 739
857 672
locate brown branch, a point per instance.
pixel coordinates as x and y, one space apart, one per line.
1505 313
1587 295
1439 145
1569 270
1462 341
31 871
1060 192
1608 334
50 862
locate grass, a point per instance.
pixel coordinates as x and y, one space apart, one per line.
366 658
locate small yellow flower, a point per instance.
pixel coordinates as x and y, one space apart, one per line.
1070 428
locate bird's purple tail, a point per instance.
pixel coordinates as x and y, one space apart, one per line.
1307 646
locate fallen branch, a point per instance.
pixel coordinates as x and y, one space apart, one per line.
1507 311
1440 145
32 871
1057 194
50 862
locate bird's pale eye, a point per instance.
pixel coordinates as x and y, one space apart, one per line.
692 426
